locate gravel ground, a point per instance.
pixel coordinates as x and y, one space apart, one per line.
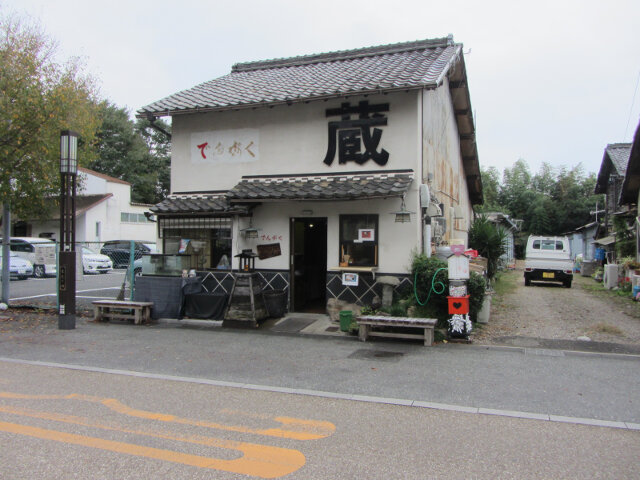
550 311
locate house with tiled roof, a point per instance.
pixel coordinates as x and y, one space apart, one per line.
323 165
610 178
104 211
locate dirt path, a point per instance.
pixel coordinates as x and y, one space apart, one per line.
552 312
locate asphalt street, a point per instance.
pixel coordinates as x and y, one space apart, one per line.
60 423
533 380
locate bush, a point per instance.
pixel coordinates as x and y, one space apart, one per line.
488 240
432 288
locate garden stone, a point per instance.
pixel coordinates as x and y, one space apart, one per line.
388 283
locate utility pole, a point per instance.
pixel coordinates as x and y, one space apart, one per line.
6 255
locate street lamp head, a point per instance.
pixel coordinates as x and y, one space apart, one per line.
68 152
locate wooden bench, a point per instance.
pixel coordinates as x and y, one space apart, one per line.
109 309
368 322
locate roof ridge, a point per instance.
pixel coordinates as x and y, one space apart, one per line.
104 176
343 54
619 145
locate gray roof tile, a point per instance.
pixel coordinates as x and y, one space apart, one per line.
404 65
619 155
335 187
195 204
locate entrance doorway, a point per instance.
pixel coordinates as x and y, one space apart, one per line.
308 264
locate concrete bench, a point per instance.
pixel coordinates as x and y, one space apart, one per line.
139 312
367 323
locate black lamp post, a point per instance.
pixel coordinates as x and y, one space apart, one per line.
67 255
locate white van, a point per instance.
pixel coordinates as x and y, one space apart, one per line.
41 252
548 259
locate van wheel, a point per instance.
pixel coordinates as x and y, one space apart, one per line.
38 271
567 283
527 281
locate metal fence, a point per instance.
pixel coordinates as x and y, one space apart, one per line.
104 270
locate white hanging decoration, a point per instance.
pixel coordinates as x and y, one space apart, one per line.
460 323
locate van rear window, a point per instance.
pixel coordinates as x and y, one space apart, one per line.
547 245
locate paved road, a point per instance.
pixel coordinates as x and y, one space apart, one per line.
59 423
43 291
547 382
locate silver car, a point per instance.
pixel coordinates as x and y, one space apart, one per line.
93 262
19 268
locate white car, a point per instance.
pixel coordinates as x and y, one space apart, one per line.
41 252
93 262
18 267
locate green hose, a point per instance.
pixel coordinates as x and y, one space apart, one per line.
432 289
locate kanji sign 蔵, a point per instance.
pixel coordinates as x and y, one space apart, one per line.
348 135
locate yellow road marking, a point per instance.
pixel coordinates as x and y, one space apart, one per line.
250 464
299 429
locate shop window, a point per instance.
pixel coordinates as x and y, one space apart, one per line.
209 247
359 240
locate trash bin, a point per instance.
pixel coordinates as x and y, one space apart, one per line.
346 317
275 302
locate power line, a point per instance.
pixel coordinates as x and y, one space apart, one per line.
631 109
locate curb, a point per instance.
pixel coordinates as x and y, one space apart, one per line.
343 396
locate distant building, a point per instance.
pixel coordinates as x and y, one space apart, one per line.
630 195
104 211
510 226
610 178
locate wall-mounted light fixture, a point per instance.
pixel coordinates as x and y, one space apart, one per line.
250 231
403 215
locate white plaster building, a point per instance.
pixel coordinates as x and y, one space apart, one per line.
104 211
317 153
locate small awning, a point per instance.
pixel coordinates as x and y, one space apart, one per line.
606 240
322 187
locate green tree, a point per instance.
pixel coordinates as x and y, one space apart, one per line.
133 153
490 189
38 99
517 194
159 145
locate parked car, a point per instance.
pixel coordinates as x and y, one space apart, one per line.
41 252
548 259
119 251
93 262
19 268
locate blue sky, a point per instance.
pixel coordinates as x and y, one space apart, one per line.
550 81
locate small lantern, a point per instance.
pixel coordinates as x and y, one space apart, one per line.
250 231
68 152
247 260
403 215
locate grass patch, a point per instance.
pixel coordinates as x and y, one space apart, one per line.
505 283
606 328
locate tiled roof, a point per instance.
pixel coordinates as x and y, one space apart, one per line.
322 187
400 66
614 162
619 155
194 204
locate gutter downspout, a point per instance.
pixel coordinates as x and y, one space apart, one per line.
152 123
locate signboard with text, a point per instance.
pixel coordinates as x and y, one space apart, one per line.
225 146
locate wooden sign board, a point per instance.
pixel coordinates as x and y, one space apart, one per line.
268 250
